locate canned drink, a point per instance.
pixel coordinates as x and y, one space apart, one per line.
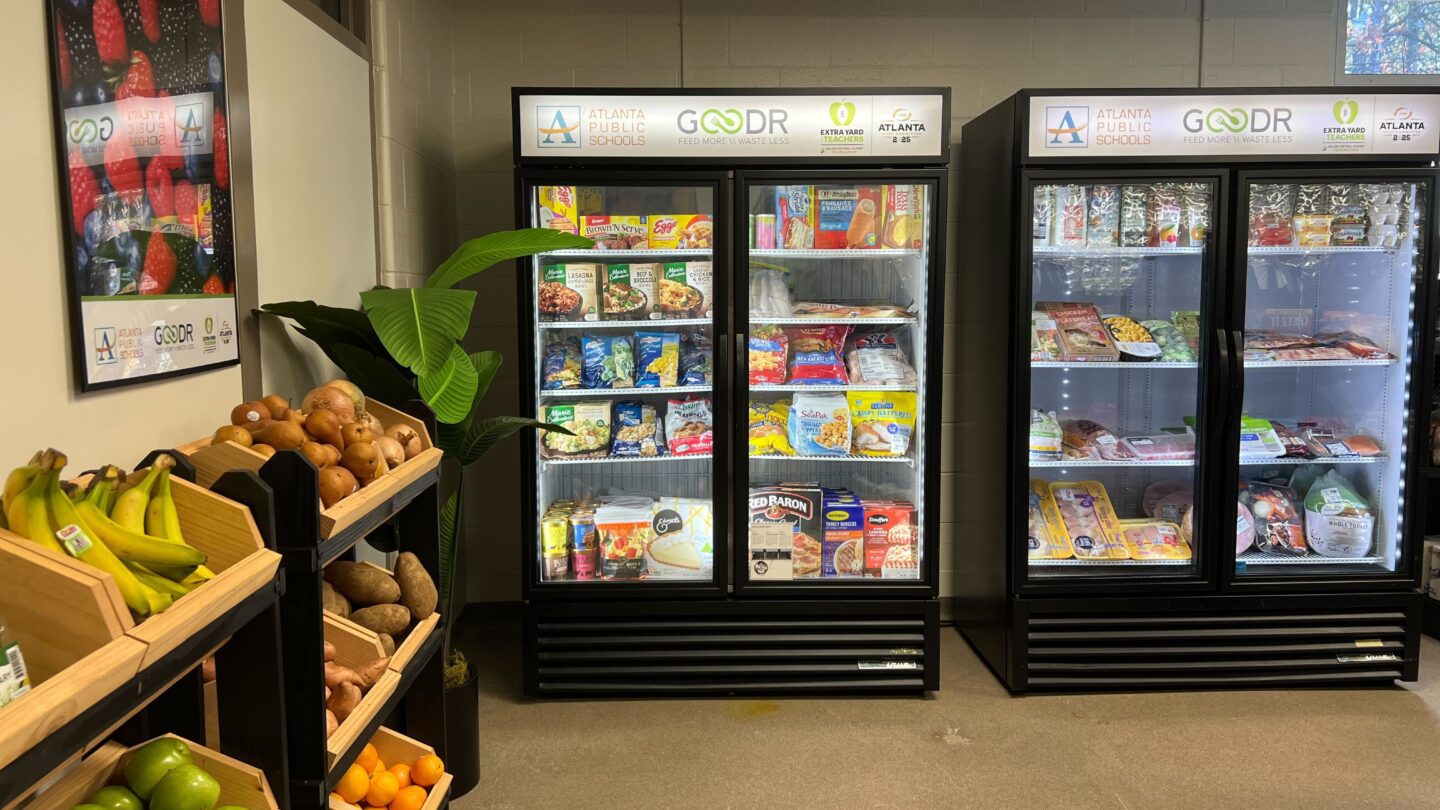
582 531
554 567
553 534
764 232
583 562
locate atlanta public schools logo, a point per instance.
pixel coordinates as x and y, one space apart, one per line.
1067 127
557 127
105 346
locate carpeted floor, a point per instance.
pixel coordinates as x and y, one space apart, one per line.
972 745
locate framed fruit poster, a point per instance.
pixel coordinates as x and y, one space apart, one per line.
141 117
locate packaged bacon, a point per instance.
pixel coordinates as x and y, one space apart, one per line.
1279 527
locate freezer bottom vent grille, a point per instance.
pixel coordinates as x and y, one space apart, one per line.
679 649
1216 650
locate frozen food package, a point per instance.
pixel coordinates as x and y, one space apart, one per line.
1087 439
882 422
1272 206
1276 509
1157 491
1044 337
1164 206
1311 199
1338 521
903 219
770 292
632 292
1102 211
615 232
682 541
686 290
682 231
1350 217
843 544
1042 215
659 365
769 348
560 366
816 355
1312 215
1153 540
556 208
1068 229
1134 216
623 532
1357 345
1047 538
1362 445
1134 341
892 540
697 366
1292 441
770 428
1083 336
1161 447
1321 440
875 358
1258 438
1188 322
1175 506
1194 214
795 215
588 421
608 361
1089 520
847 217
637 430
820 424
1046 438
568 292
1244 529
689 427
1173 346
830 309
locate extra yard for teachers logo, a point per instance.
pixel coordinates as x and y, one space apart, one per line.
1067 127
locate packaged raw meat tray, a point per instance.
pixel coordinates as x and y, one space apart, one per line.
1089 520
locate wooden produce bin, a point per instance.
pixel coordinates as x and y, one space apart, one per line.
226 532
405 648
211 461
355 646
71 625
393 747
240 784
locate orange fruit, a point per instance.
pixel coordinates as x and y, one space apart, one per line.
409 798
427 770
402 773
368 757
383 787
379 767
353 784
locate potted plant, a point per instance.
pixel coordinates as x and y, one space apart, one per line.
404 344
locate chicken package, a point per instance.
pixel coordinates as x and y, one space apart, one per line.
875 358
1338 522
1047 539
1089 520
1278 528
1153 540
1085 439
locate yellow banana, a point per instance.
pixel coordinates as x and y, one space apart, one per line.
38 525
135 547
130 507
17 493
19 478
162 521
162 585
15 510
83 544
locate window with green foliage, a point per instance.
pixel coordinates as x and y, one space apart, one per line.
1392 38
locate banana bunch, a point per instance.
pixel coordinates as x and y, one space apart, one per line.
132 533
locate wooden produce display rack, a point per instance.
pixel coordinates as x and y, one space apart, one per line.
392 746
95 672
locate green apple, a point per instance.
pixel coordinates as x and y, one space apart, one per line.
187 787
152 761
116 798
87 806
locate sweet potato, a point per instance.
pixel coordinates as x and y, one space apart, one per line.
343 700
333 601
371 672
417 589
207 669
331 723
362 584
329 651
387 642
390 619
336 675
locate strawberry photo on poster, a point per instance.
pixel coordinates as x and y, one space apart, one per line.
140 88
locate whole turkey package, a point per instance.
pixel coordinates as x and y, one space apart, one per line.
1338 522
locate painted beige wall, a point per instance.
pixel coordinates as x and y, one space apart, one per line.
310 137
42 405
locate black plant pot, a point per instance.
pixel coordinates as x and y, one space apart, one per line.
462 733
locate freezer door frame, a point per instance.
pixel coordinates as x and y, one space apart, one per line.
526 180
1407 573
929 585
1211 382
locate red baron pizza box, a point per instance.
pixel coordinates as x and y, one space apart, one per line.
799 507
1082 335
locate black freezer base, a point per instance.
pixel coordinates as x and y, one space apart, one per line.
646 648
1097 644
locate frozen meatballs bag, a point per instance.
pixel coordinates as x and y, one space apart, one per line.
1338 522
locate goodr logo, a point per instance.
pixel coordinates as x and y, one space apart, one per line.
1066 127
557 127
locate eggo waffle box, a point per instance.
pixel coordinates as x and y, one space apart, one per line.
557 209
680 231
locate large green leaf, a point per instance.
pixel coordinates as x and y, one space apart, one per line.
377 375
486 433
419 327
325 324
486 251
450 392
449 537
486 364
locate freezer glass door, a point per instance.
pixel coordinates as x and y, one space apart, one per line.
623 358
1118 279
838 313
1332 266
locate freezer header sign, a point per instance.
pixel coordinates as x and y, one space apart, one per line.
565 128
1185 125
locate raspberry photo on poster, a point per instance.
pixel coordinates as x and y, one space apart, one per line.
140 90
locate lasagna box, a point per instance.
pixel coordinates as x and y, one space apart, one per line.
891 540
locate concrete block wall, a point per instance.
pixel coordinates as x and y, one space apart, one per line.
983 49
